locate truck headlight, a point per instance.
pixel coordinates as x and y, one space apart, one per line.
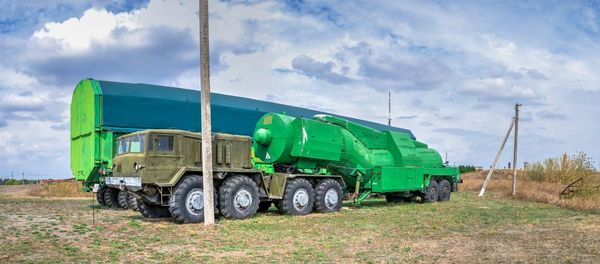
137 166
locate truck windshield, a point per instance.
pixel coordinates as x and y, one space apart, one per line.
131 144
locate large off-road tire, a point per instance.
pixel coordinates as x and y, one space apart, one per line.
444 191
187 201
152 211
238 197
431 193
111 197
133 203
264 206
328 196
298 198
100 195
123 197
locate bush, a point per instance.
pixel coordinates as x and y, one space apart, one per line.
564 169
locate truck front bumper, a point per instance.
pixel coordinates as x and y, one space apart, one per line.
131 183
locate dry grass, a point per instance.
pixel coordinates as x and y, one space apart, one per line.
530 190
63 188
465 230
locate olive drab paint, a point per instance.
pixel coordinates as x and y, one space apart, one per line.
161 170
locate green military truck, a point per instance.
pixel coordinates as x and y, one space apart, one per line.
162 169
303 164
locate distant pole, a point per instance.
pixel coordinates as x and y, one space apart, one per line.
23 174
487 178
207 170
514 179
389 108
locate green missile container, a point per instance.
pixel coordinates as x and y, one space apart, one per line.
379 161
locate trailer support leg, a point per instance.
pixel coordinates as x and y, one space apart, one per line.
362 197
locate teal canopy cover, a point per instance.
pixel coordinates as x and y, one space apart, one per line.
131 107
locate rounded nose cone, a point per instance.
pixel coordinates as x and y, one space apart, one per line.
263 136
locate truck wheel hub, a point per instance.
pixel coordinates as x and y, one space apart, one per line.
331 198
300 199
195 201
242 199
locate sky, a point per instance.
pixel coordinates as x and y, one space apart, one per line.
455 69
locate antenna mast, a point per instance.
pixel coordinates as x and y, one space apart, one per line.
389 108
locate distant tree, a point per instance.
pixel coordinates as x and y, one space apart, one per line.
12 182
466 168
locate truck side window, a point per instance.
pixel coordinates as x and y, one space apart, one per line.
164 143
137 143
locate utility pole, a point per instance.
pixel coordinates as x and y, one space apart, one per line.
515 124
514 179
23 174
389 108
207 170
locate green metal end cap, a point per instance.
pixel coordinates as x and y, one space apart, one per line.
263 136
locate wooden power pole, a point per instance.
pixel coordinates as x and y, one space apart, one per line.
207 170
514 123
514 178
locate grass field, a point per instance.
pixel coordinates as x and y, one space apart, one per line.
466 229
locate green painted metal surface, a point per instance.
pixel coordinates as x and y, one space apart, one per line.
103 110
91 147
379 161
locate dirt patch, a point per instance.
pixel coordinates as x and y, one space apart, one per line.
58 189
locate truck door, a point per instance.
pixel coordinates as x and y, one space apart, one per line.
165 156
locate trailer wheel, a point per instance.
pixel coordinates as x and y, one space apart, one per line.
100 195
187 201
264 206
238 197
111 197
298 198
328 196
410 199
444 191
133 203
123 197
393 198
152 211
431 193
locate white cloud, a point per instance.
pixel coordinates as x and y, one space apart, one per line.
78 34
449 65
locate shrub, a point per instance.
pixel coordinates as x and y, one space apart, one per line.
563 169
